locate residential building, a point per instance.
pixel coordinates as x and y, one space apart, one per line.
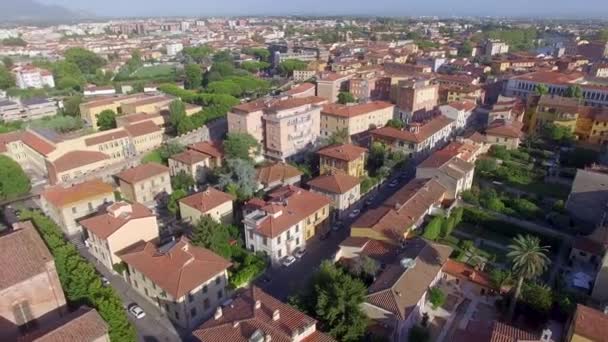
346 158
275 175
66 205
37 108
414 96
30 76
174 48
301 90
586 203
397 299
30 291
83 325
557 110
304 75
445 166
210 202
496 47
455 93
355 118
329 85
247 118
186 282
197 161
403 211
148 104
485 330
283 223
9 110
344 190
461 112
145 183
599 129
504 133
469 280
587 324
93 90
258 316
116 227
418 139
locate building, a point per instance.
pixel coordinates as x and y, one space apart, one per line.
304 75
355 118
174 48
504 133
484 330
30 76
83 325
116 227
275 175
455 93
599 129
413 97
557 110
586 203
247 118
496 47
397 299
93 90
197 161
301 90
445 166
145 183
418 139
461 112
346 158
329 85
66 205
344 190
210 202
469 280
403 211
283 223
256 316
186 282
10 110
588 324
30 291
37 108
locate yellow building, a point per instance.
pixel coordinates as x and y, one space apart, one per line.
89 110
211 202
347 158
599 130
354 119
144 183
557 110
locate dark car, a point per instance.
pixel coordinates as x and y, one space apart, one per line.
324 235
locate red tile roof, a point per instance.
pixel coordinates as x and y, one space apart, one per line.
210 148
426 130
103 138
141 172
550 77
349 111
294 103
502 128
37 144
590 323
276 172
83 325
337 183
189 157
207 200
142 128
466 272
300 89
114 218
345 152
75 159
178 270
466 106
60 196
6 138
588 245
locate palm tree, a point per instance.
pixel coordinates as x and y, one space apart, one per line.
529 260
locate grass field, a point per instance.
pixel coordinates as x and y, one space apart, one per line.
154 71
152 157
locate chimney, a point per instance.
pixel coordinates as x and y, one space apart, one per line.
258 304
414 128
218 313
276 315
120 208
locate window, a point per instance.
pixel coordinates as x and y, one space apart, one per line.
73 210
297 228
218 280
146 291
90 206
279 239
297 241
251 234
220 294
190 298
265 241
135 283
205 289
193 312
176 315
280 253
166 307
142 186
206 304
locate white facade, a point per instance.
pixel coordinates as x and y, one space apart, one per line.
34 78
459 115
174 48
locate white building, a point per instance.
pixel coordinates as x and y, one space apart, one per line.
496 47
451 171
32 77
460 112
174 48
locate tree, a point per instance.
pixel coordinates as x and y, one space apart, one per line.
106 120
240 145
194 76
537 297
7 80
339 137
238 177
173 203
433 228
169 149
87 61
287 67
68 75
255 66
529 260
224 56
365 266
466 49
198 54
8 62
212 235
259 53
574 91
182 181
13 180
376 158
486 165
557 133
177 113
135 62
436 297
71 105
395 123
447 226
542 89
345 97
500 278
334 298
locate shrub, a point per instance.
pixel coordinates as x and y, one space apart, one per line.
433 228
436 297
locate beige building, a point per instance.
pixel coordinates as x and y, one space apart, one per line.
504 133
445 166
91 109
144 183
344 190
65 205
147 104
118 226
210 202
329 85
198 160
30 291
247 118
346 158
414 96
301 90
187 283
355 119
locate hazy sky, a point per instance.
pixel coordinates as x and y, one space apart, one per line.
569 8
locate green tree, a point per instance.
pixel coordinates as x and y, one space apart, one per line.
557 133
7 80
486 165
529 260
287 67
13 181
365 266
339 137
574 91
537 297
395 123
447 226
177 113
238 177
433 228
135 62
436 297
240 145
173 203
199 53
68 75
71 105
501 278
182 181
212 235
106 120
14 41
378 155
255 66
259 53
466 49
194 76
8 62
169 149
224 56
345 97
542 89
87 61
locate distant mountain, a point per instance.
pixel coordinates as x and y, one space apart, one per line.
30 10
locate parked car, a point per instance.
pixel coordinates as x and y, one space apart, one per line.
105 281
393 184
288 261
299 253
136 311
354 213
324 235
403 175
370 200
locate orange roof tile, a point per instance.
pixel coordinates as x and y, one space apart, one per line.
337 183
142 128
346 152
75 159
141 172
349 111
114 217
276 172
211 148
426 130
61 196
189 157
207 200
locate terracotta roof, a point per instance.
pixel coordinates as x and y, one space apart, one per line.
466 272
177 270
426 130
251 107
142 128
141 172
346 152
332 77
349 111
590 323
207 200
277 172
300 89
23 255
466 106
36 143
114 217
6 138
241 320
75 159
211 148
137 117
551 77
103 138
294 103
439 158
189 157
337 182
60 196
398 289
493 331
83 325
502 128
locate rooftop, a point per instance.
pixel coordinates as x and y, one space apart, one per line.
349 111
114 217
142 172
345 152
207 200
61 196
337 182
276 172
425 131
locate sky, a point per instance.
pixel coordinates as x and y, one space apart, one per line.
519 8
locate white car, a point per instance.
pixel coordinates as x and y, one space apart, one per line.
137 311
354 213
288 261
299 253
393 184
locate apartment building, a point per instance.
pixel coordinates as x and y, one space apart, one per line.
346 158
504 133
30 76
461 112
446 167
269 319
282 224
557 110
414 97
90 109
496 47
344 190
65 205
304 75
301 90
147 104
292 127
198 160
27 109
116 227
356 118
418 138
587 324
455 93
145 183
329 85
247 118
274 175
186 282
30 291
211 202
9 110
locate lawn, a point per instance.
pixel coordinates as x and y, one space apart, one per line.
154 71
152 157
